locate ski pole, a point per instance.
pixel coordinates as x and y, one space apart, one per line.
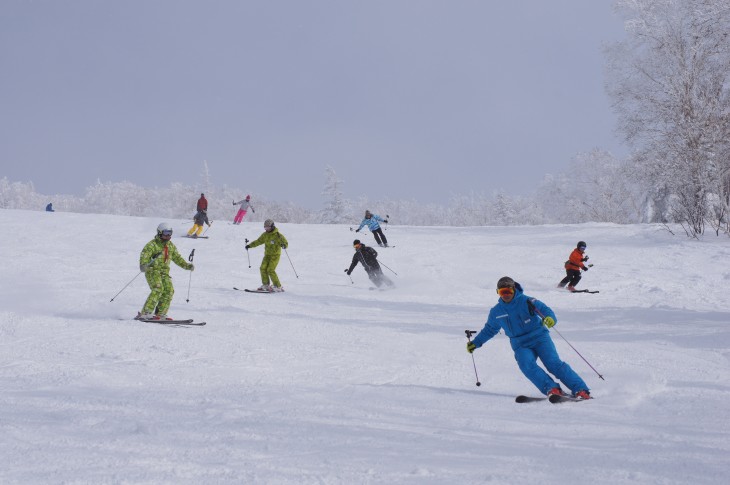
382 264
206 229
292 264
190 258
469 333
130 281
348 275
566 341
248 255
125 286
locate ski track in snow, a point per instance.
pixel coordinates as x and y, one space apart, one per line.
332 383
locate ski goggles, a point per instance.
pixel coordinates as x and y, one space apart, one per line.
507 291
167 233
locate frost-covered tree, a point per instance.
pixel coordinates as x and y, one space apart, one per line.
337 209
670 81
504 212
20 195
596 187
206 185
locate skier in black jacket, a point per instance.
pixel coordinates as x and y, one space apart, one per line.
368 257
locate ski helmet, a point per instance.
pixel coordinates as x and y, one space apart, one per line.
268 223
505 282
581 244
164 230
248 197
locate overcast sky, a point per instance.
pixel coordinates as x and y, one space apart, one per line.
408 99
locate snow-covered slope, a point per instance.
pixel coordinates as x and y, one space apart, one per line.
333 383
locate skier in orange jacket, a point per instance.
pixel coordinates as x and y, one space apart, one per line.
573 266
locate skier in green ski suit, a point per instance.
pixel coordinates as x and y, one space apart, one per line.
154 261
275 242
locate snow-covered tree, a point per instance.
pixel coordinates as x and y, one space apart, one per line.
205 184
20 195
596 187
337 209
670 81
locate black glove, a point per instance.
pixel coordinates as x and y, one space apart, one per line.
585 269
357 230
585 259
283 246
348 272
386 221
247 246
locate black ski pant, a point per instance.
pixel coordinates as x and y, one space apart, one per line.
378 278
571 279
378 234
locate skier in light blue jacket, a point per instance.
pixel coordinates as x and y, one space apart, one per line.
371 220
520 317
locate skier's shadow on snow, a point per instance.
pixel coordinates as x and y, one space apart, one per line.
440 390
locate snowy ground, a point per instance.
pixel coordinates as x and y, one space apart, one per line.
333 383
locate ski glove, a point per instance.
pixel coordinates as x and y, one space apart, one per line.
348 272
357 230
192 267
386 221
283 246
247 246
549 322
144 267
586 268
585 259
470 347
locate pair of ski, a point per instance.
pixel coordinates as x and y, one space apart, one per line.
255 291
187 322
554 398
584 291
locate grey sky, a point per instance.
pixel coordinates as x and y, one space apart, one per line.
405 99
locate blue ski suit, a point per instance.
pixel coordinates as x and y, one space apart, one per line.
372 223
530 340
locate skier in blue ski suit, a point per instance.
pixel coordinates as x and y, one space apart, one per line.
371 220
519 316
